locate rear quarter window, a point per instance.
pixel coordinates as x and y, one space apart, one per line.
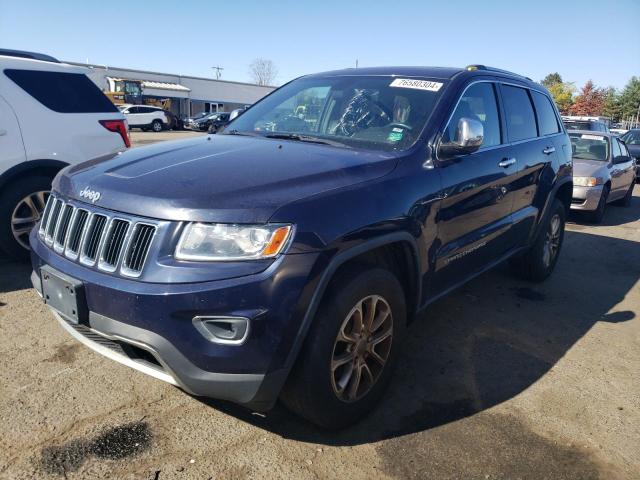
521 121
62 92
547 120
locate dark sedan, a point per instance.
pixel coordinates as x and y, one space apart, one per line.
632 141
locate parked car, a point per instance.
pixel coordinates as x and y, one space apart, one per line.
51 116
146 117
235 113
285 258
217 122
189 122
585 123
603 172
632 140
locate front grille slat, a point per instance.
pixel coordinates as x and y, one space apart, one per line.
61 233
76 231
96 239
53 220
94 236
45 215
138 248
114 243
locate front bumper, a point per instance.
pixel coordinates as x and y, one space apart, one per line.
149 326
586 198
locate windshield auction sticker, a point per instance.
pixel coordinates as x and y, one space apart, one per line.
417 84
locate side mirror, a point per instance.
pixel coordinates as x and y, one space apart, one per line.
469 138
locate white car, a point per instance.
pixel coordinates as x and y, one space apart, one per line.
145 117
51 116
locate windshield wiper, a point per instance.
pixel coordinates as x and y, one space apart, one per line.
305 138
238 132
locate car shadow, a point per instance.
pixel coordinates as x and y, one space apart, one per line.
14 275
484 344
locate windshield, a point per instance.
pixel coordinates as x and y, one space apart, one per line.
632 137
573 125
590 147
373 112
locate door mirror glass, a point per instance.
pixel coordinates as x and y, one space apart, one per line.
468 138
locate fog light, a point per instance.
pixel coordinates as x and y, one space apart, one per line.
223 330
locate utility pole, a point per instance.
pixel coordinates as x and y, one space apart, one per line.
218 72
356 63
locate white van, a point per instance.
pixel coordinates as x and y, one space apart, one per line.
51 116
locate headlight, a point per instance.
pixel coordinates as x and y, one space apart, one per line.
586 181
219 241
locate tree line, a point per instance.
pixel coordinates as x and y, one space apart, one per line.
591 100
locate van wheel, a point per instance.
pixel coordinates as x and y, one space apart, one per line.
626 200
537 263
21 207
348 357
156 126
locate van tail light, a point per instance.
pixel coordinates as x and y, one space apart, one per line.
117 126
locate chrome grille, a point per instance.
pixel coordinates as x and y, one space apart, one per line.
96 239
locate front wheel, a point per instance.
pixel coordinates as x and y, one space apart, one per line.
347 360
21 207
598 214
156 126
537 263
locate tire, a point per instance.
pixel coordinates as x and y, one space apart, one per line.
157 126
626 200
213 129
598 214
12 206
326 397
537 263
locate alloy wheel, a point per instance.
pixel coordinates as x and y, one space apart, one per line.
361 348
26 214
552 241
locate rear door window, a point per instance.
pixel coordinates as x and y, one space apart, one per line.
547 120
477 103
521 121
62 92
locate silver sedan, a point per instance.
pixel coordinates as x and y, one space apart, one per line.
603 172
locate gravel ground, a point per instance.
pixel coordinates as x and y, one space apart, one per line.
499 380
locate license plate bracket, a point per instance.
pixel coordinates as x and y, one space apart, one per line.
64 294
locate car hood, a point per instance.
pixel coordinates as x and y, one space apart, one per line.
589 168
221 178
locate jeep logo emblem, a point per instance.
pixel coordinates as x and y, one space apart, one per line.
90 195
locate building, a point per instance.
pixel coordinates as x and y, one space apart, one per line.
185 96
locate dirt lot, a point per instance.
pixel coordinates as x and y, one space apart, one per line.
500 380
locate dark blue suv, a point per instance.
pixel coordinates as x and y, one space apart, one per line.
284 257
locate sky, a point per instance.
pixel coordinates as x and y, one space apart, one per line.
582 40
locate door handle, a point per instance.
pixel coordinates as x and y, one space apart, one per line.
549 150
507 162
3 132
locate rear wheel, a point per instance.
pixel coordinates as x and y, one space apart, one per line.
21 207
537 263
626 200
347 360
156 126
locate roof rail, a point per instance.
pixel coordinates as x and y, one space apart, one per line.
492 69
31 55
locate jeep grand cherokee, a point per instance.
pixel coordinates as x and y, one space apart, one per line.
285 257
